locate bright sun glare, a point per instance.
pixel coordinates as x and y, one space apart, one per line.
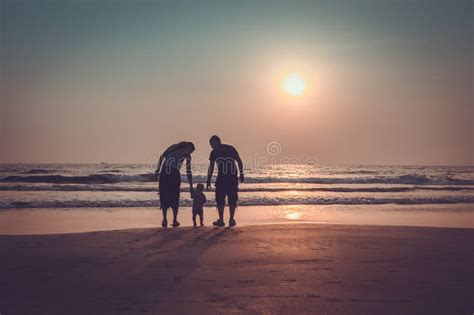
294 85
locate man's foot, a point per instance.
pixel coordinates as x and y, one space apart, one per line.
218 223
232 222
164 223
175 224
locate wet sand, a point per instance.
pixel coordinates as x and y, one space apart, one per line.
268 269
74 220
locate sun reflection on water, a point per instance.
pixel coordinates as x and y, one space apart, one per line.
293 215
291 212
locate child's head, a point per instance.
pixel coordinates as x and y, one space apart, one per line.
200 187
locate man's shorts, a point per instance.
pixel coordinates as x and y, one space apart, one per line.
227 189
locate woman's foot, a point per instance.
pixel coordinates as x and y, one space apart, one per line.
232 222
164 223
175 224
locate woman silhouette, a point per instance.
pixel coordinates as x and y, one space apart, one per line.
169 177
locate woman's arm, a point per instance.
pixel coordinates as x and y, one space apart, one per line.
158 167
189 174
162 157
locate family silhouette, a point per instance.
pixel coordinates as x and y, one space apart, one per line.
230 172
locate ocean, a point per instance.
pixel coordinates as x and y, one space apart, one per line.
69 186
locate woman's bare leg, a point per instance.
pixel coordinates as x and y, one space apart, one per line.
175 215
165 220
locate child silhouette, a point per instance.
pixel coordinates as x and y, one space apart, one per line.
199 199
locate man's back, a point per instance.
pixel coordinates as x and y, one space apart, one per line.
227 183
225 156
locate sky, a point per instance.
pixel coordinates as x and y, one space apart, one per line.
387 82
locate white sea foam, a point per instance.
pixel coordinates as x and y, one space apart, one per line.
70 186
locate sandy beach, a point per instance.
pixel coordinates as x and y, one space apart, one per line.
268 269
324 148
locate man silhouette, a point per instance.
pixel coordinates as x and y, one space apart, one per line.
227 182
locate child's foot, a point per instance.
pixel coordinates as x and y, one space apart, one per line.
219 223
175 224
164 223
232 222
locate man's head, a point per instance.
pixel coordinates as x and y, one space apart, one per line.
215 141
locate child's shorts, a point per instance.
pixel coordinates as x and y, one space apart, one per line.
197 211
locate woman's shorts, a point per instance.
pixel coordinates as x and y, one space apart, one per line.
170 183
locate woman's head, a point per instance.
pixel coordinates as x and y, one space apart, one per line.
187 145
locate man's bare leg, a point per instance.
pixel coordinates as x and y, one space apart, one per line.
220 210
232 212
220 222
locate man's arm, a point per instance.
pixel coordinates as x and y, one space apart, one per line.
240 165
209 173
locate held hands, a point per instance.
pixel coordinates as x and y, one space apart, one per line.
241 177
208 185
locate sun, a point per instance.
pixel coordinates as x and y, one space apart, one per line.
294 84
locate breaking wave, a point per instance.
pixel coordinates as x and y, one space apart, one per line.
128 203
143 188
105 178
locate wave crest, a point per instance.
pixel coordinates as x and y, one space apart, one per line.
89 179
105 178
130 203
